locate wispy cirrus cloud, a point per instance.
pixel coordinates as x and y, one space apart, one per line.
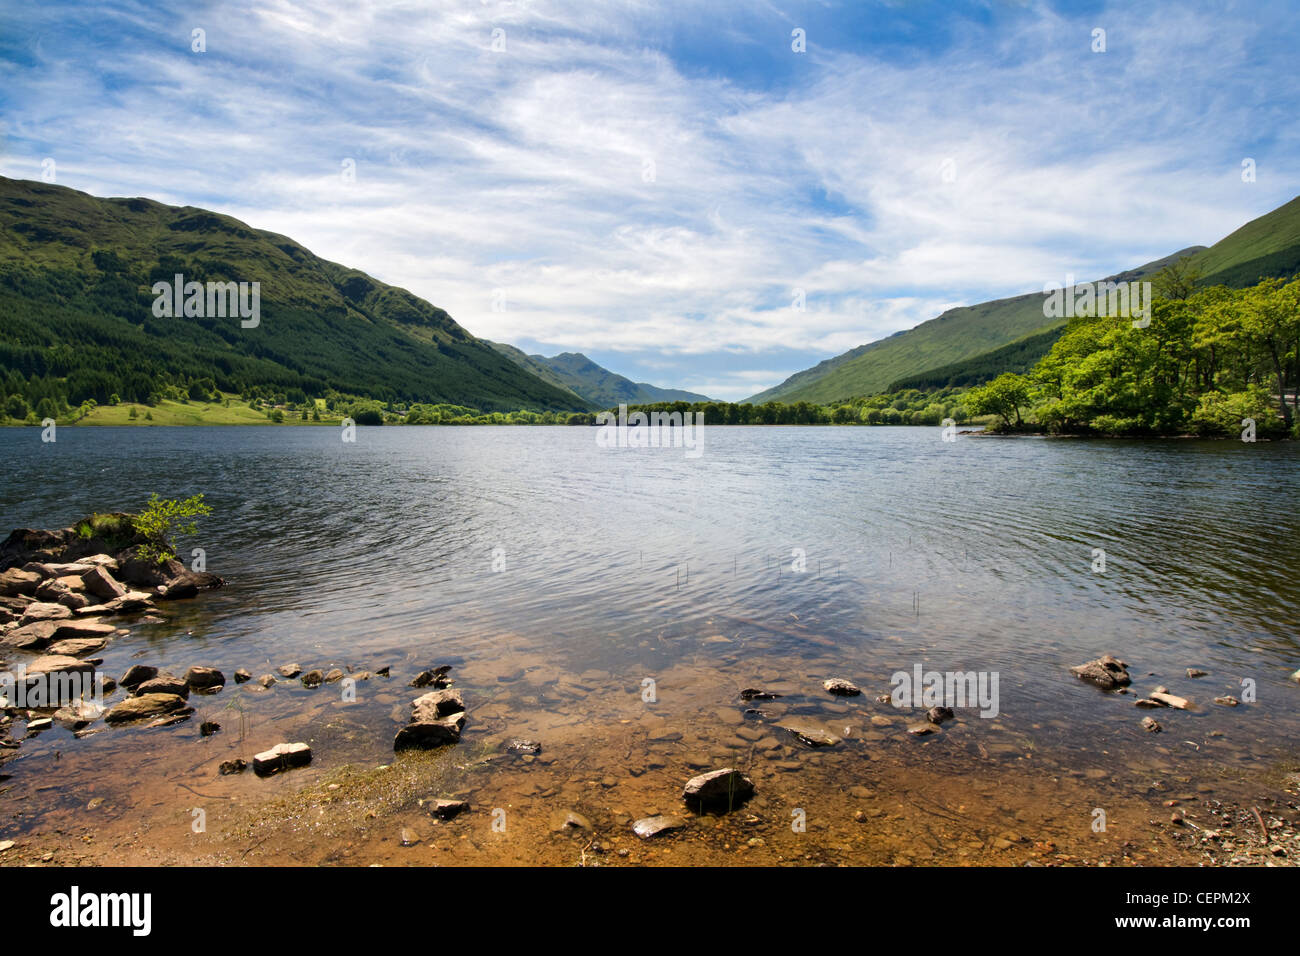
651 183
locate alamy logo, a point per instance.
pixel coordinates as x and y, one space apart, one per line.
216 300
653 430
75 908
947 689
41 689
1117 299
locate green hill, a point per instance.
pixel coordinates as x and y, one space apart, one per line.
1019 356
78 323
1263 248
581 376
958 334
1267 246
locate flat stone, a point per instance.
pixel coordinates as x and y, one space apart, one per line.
648 827
922 729
144 706
16 581
163 684
32 637
811 734
1227 701
78 646
1171 700
38 611
78 713
281 757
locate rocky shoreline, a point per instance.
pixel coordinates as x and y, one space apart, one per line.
64 597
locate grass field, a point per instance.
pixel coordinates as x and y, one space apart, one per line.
169 412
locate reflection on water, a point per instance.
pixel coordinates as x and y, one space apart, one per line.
557 576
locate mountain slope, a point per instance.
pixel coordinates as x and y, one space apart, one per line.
1262 248
75 294
1266 246
958 334
582 376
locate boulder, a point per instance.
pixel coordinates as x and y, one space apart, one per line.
437 718
15 581
78 713
281 757
717 790
187 584
149 574
31 637
41 611
103 585
841 687
204 678
1106 672
163 684
145 706
137 674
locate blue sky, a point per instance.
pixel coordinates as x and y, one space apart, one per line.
652 183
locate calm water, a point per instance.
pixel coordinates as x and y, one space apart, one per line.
622 564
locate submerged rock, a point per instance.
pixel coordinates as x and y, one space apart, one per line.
571 820
937 715
450 809
724 789
1151 725
529 748
841 687
313 679
811 734
753 693
281 757
648 827
242 676
1107 672
1227 701
232 766
290 671
267 680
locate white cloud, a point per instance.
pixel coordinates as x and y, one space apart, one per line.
525 170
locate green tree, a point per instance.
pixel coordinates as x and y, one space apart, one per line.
1005 397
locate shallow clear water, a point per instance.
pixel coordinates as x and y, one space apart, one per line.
623 564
